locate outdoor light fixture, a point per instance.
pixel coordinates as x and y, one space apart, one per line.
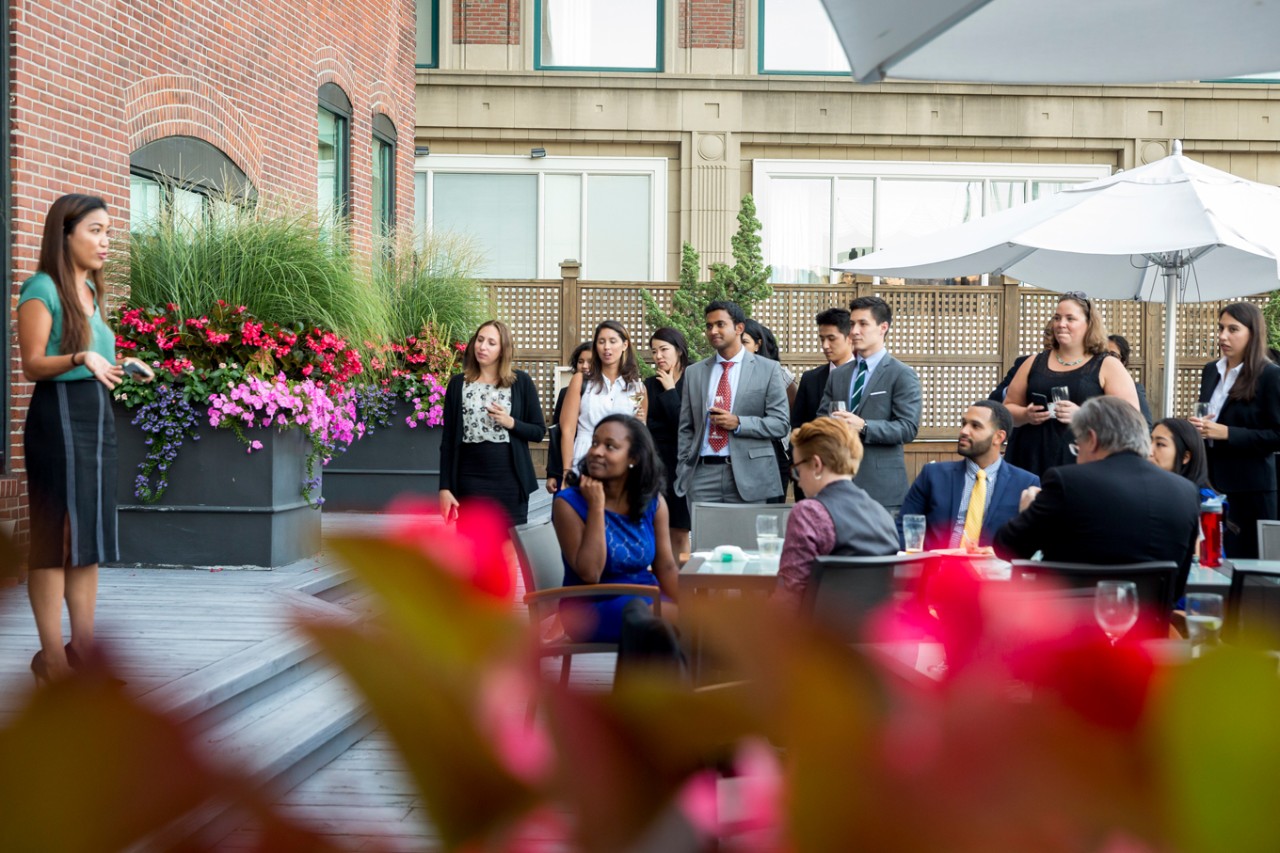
538 153
421 150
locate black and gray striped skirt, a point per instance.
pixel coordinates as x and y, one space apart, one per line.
70 444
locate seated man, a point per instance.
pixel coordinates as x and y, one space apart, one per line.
943 492
1111 507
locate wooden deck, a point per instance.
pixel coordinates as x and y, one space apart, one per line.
217 647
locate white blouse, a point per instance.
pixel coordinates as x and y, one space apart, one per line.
616 397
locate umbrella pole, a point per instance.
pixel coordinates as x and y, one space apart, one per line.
1172 287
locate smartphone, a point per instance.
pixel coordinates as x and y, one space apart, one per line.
138 369
1039 400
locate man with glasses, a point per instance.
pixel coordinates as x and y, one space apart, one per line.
965 502
1113 506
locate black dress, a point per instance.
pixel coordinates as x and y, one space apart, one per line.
664 426
1039 448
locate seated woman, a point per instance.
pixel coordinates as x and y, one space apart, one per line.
613 528
1176 446
836 517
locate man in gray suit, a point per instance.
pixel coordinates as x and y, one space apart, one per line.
734 405
881 402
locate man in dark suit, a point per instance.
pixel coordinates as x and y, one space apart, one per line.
944 491
1114 506
837 348
881 402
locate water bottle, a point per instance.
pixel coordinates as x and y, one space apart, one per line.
1211 528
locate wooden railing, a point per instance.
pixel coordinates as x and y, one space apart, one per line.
960 339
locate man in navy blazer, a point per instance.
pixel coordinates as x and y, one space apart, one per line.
942 491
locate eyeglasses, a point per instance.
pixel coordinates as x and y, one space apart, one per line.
1074 448
795 475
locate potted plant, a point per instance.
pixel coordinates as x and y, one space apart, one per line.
432 304
246 319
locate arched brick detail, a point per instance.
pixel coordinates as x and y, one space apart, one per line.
382 100
176 105
332 67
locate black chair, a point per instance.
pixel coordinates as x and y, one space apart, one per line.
1268 540
1155 583
1253 607
842 591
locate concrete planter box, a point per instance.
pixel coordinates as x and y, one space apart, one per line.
224 506
393 460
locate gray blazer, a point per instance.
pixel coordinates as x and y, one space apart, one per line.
761 407
891 407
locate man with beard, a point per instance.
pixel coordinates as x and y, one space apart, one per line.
946 493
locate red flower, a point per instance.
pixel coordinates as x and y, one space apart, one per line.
475 548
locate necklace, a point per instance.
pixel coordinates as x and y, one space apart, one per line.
1069 363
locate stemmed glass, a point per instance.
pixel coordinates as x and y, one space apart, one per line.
1115 606
1204 620
1058 394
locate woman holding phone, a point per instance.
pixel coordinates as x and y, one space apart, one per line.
491 413
1241 393
68 351
1075 368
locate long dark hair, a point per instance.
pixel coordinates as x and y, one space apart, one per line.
762 335
675 337
1255 352
1186 440
628 368
55 261
645 479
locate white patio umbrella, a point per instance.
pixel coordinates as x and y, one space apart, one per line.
1057 41
1173 230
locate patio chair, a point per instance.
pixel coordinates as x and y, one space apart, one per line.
1269 540
842 591
542 567
1253 606
732 524
1155 582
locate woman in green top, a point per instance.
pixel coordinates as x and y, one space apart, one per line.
68 350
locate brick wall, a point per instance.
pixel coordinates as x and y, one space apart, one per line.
713 23
93 81
486 21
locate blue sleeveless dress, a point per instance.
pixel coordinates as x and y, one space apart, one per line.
630 550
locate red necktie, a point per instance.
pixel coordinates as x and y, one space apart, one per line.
719 439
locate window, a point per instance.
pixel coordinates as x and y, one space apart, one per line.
601 35
183 179
815 213
384 176
526 216
428 13
333 159
796 37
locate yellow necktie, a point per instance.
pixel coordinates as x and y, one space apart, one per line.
977 508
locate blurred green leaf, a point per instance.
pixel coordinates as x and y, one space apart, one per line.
1216 731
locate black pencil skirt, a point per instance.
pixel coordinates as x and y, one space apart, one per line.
70 444
487 469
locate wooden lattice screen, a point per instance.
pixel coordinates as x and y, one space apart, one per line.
960 339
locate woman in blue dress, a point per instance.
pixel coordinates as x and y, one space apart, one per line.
613 528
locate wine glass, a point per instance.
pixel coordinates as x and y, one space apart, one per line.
1115 606
720 402
637 398
1202 411
1058 394
1204 620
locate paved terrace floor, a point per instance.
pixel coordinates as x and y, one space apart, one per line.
176 633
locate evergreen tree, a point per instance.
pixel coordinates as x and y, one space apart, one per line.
745 282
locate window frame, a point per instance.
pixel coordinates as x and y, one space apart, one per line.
334 101
782 72
763 171
659 46
435 34
384 131
207 172
653 167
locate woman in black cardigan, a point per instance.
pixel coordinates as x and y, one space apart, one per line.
1242 429
670 358
491 413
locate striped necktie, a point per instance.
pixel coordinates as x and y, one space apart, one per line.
859 383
